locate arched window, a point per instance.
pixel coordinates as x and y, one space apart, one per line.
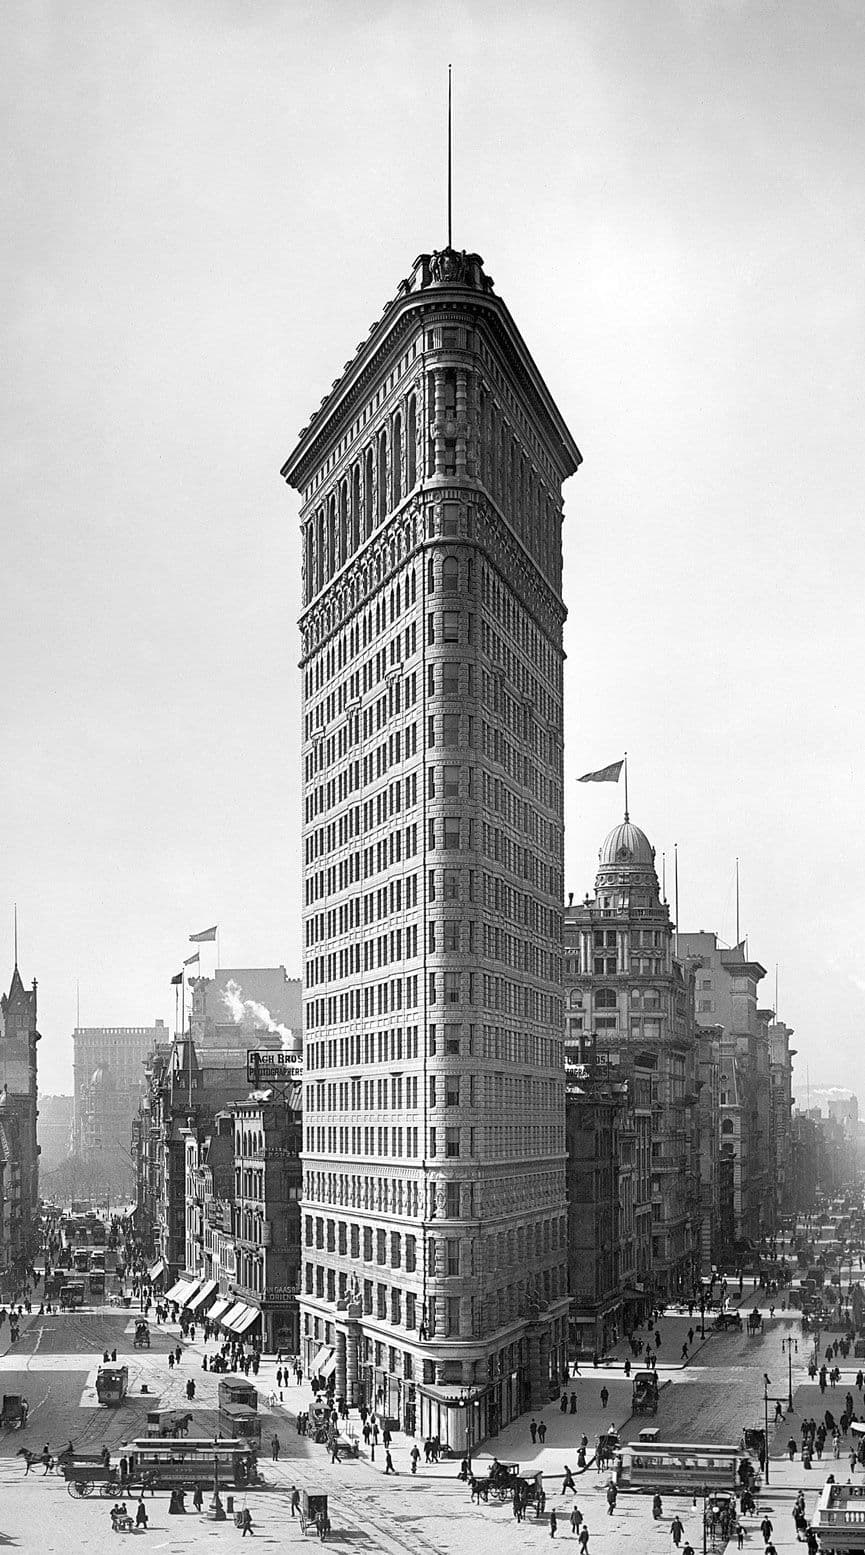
367 495
396 458
411 444
450 575
332 542
308 554
727 1126
382 476
355 508
605 999
319 552
343 521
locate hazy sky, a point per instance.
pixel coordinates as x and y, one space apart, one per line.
204 206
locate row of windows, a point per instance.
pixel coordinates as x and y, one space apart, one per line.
438 1315
505 1141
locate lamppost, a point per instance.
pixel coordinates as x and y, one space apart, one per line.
768 1398
787 1344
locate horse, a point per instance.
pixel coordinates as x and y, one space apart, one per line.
32 1458
179 1426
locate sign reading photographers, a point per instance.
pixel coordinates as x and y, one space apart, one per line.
265 1068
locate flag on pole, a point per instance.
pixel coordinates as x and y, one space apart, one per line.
203 937
608 774
191 959
176 981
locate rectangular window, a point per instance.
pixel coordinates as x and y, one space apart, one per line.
451 885
410 1253
450 729
452 1141
451 677
452 1038
451 626
452 1257
450 782
453 1200
451 831
451 934
452 987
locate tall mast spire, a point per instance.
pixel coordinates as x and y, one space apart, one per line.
737 903
627 817
450 164
15 917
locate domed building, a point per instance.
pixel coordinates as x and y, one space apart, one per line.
630 1025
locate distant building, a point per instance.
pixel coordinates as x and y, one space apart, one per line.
594 1110
19 1151
252 1007
56 1116
109 1082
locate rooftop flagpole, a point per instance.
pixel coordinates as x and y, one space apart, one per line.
737 903
676 890
450 162
626 786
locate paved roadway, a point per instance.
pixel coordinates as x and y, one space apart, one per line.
711 1398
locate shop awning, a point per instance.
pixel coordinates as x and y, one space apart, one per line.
220 1306
181 1290
156 1270
246 1320
189 1296
316 1365
230 1317
329 1365
202 1295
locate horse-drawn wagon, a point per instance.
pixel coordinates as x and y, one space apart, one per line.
313 1514
15 1411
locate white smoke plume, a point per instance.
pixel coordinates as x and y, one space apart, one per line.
250 1012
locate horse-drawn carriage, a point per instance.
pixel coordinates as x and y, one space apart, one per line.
15 1411
86 1475
755 1322
720 1518
313 1514
606 1449
142 1334
644 1393
499 1483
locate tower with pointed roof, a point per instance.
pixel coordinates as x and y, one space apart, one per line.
19 1151
434 1197
630 1003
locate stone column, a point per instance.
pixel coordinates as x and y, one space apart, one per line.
351 1356
462 428
341 1349
439 420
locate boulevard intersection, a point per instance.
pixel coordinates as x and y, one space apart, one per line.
711 1398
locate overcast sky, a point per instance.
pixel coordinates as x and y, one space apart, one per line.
204 206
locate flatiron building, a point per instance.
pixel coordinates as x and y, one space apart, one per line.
434 1219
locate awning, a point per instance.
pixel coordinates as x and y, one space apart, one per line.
202 1295
180 1291
317 1364
229 1318
329 1365
220 1306
156 1271
246 1320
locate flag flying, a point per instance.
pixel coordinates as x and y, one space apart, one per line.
608 774
176 981
203 937
191 959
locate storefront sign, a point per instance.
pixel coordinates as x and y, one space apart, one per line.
264 1068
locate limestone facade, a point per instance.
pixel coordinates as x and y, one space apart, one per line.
434 1220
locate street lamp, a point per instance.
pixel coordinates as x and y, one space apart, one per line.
788 1345
768 1398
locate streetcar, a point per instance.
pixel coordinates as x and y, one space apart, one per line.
112 1384
681 1466
168 1462
239 1421
72 1295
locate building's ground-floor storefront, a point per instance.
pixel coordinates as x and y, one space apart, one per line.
460 1393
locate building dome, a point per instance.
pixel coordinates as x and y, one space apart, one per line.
626 845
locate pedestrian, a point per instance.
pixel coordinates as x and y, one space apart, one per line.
554 1523
274 1449
766 1529
576 1518
740 1536
295 1500
605 1396
533 1429
542 1431
414 1455
246 1521
388 1463
47 1460
677 1528
584 1538
141 1514
568 1480
197 1497
171 1360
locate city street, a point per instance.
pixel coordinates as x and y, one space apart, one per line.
710 1399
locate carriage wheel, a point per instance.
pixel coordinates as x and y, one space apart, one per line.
110 1488
79 1488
